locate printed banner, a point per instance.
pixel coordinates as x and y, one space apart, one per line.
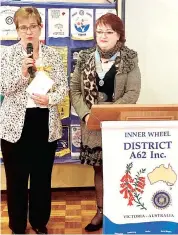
7 26
82 24
63 145
63 108
42 14
140 192
58 23
75 141
100 12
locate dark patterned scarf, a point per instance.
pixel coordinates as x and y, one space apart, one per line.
108 54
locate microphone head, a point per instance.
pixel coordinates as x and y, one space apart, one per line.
29 48
29 51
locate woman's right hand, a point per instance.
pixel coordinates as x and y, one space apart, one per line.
27 63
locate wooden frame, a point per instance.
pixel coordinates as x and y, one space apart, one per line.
130 112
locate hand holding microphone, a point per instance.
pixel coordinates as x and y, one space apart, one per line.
28 62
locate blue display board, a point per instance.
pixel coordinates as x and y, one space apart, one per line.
63 153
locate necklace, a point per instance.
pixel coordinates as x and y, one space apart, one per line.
101 82
103 67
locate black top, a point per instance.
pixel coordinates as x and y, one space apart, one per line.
108 87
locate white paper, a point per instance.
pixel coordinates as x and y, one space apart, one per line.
82 24
41 84
58 22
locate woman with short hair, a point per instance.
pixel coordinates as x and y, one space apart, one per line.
29 124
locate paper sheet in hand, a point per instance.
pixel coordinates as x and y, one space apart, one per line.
41 84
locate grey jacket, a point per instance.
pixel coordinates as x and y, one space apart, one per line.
127 80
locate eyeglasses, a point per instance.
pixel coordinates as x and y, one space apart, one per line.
108 33
24 28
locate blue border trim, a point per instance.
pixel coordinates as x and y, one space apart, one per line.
58 4
151 227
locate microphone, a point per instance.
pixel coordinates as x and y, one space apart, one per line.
29 51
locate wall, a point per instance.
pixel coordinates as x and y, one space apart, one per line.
151 29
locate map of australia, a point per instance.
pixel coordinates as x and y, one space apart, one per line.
162 173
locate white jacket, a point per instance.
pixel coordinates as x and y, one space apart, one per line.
13 87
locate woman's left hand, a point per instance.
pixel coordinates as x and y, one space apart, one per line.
40 99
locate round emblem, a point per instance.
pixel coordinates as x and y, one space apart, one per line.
82 24
161 200
58 26
81 12
101 82
9 20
